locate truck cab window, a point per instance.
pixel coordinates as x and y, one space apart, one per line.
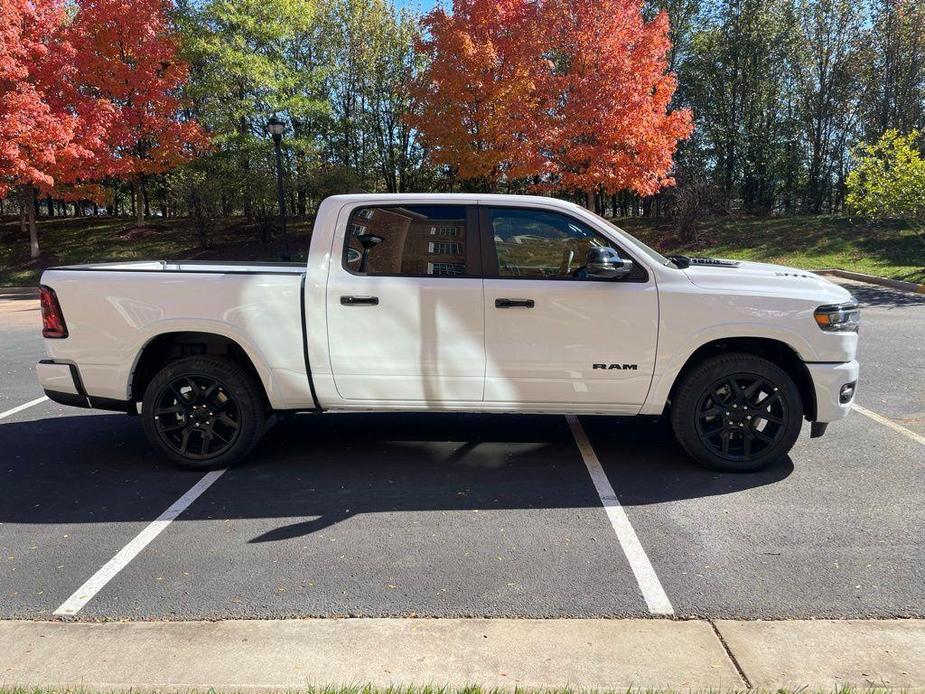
407 241
535 244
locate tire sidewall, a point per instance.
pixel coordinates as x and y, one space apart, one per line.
236 381
684 410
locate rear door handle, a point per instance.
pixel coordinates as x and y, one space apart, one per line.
359 300
512 303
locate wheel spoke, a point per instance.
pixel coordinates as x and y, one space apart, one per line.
227 421
184 442
206 437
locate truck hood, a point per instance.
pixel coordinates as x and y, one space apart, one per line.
764 278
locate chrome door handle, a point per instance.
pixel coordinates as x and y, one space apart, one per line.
359 300
512 303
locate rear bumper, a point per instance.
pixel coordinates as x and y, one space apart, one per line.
828 381
61 383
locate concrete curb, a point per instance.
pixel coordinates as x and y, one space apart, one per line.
873 279
19 291
263 655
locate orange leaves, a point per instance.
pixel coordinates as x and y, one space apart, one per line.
35 128
91 97
480 90
128 56
575 94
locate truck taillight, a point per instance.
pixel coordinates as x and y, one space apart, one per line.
52 318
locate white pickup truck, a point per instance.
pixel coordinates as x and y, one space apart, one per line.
463 303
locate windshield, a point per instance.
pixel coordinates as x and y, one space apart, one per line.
640 246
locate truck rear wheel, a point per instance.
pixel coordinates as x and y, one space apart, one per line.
203 412
737 413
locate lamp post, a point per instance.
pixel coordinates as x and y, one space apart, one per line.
276 127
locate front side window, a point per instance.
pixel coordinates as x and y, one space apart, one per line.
535 244
399 240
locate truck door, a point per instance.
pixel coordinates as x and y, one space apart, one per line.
554 334
404 305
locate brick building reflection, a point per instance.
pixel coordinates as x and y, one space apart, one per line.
413 243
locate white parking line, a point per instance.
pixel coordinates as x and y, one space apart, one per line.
97 581
32 403
646 578
918 438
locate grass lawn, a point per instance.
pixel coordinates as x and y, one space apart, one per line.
98 239
812 243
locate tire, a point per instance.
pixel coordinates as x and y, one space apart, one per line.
203 412
716 413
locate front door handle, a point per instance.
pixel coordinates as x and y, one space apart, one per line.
512 303
359 300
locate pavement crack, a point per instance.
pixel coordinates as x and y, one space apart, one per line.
731 655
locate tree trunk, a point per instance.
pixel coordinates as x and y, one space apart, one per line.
144 195
29 202
51 206
591 202
139 208
23 226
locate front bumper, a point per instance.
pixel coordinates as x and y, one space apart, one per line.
828 381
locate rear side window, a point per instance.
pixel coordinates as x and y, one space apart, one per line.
409 241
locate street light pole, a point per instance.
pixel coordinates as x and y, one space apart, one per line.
276 127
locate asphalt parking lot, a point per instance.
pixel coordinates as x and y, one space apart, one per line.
468 515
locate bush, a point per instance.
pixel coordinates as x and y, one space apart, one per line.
888 181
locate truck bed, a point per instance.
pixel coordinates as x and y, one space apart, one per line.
113 310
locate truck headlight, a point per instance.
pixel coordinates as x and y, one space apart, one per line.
839 318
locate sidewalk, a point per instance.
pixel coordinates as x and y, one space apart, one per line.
581 654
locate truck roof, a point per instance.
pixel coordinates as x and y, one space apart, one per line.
487 198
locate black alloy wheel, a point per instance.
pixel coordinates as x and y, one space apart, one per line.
740 416
197 417
736 412
204 412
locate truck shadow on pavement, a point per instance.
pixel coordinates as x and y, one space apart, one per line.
882 297
325 469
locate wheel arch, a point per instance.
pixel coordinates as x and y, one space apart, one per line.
776 351
167 347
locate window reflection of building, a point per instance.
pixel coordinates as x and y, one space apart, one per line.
411 241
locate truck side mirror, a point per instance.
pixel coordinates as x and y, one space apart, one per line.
606 264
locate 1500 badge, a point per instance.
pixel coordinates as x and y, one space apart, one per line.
608 367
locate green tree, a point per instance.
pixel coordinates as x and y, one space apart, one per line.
888 180
736 82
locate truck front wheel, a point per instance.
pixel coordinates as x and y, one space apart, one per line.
737 412
203 412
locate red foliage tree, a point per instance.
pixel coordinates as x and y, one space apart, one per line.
36 128
571 93
611 128
479 92
126 54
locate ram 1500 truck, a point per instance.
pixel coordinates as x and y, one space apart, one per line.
462 303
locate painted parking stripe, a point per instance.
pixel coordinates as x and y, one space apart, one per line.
918 438
110 569
32 403
652 591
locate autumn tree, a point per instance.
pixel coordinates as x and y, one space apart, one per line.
480 100
126 53
608 126
36 128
